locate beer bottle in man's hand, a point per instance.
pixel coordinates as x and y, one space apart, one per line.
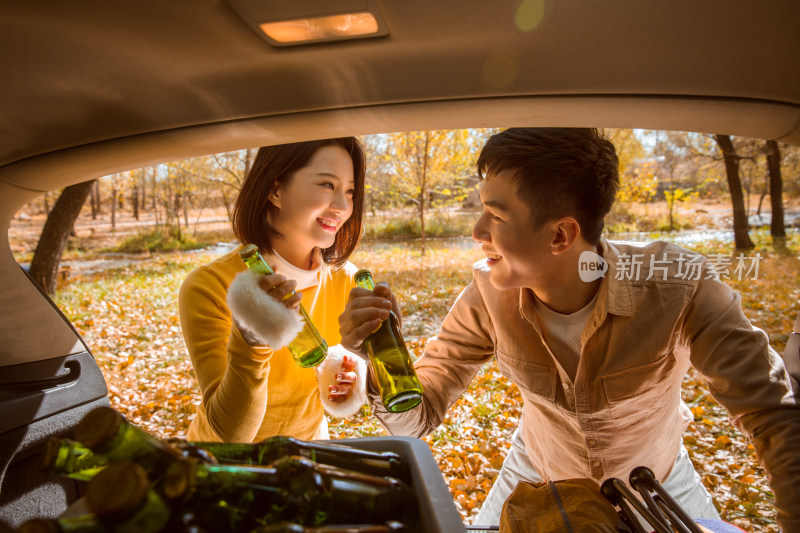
398 383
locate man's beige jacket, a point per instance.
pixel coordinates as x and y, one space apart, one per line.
659 310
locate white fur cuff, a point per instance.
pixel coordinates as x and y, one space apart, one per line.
259 314
326 376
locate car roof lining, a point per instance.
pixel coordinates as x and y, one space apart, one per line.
101 71
760 119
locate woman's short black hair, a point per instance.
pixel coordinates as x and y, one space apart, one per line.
276 164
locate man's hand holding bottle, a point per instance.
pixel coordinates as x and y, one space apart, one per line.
370 324
365 311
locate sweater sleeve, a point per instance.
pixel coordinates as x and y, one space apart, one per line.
750 380
232 374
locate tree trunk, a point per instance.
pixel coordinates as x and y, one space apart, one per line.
154 190
227 203
93 202
186 200
177 201
113 209
135 201
761 200
424 189
97 208
741 236
776 227
143 191
671 206
53 240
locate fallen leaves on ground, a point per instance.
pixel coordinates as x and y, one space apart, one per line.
129 319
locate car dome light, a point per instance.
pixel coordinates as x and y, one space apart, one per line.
321 28
311 21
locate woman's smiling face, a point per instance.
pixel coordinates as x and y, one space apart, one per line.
313 204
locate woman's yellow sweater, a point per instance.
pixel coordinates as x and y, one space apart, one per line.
252 392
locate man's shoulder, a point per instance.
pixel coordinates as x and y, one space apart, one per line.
654 262
650 248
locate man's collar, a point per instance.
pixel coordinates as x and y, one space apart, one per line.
614 296
618 297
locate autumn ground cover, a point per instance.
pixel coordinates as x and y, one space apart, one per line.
129 319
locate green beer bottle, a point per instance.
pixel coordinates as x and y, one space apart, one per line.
288 527
370 499
78 524
224 496
68 458
89 523
292 489
308 348
398 383
104 431
265 452
121 497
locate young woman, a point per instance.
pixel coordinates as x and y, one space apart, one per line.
302 205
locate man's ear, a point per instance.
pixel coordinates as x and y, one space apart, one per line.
565 232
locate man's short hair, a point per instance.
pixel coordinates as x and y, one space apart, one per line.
559 172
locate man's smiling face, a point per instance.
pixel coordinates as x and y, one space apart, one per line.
518 253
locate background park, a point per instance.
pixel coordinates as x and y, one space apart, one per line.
113 253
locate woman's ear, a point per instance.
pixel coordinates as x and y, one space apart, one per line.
275 197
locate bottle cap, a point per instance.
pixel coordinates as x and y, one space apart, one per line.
98 427
117 491
248 250
191 451
179 480
364 277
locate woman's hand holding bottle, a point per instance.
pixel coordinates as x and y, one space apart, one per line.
282 289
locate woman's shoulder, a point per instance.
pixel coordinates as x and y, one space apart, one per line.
348 269
342 275
220 271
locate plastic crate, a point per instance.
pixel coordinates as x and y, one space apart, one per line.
437 511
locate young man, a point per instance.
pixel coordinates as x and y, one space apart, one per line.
598 336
